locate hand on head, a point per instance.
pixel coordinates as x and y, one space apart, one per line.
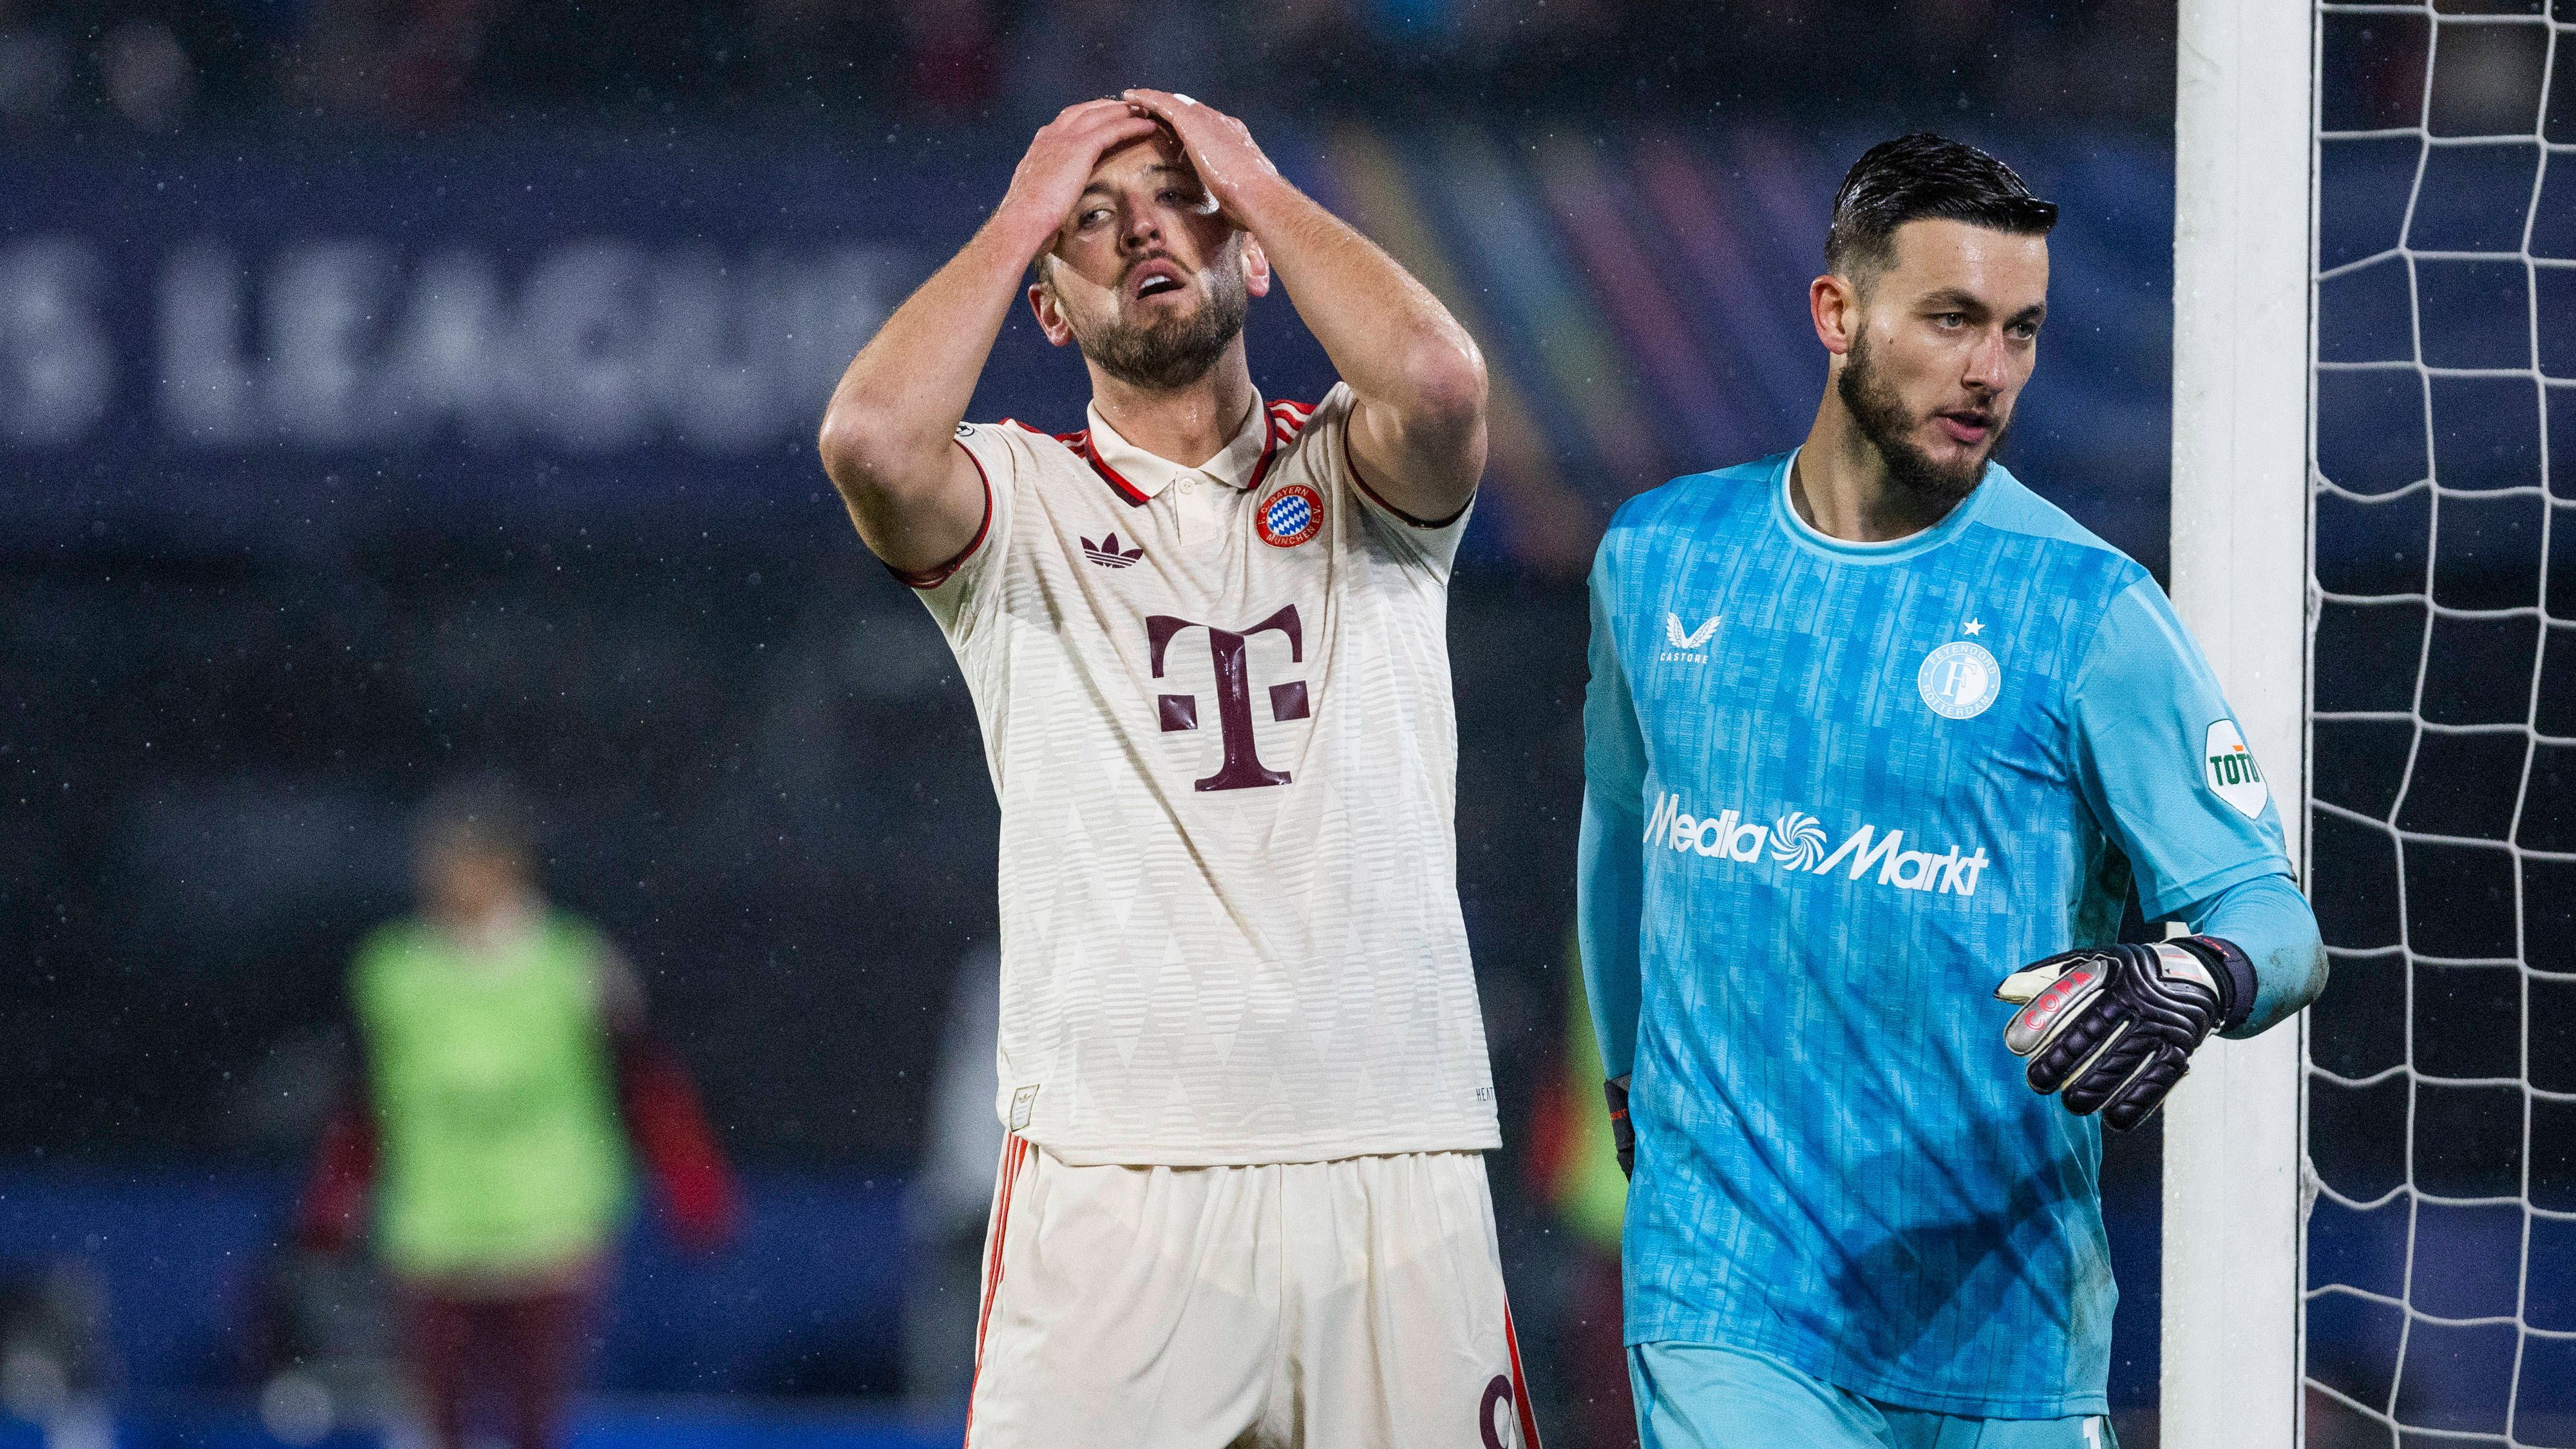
1219 147
1051 177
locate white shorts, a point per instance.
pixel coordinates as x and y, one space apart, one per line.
1355 1304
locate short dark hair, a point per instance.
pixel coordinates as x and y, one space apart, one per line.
1924 175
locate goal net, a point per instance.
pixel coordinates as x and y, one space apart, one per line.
2440 1285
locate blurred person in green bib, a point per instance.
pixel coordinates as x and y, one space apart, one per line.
508 1083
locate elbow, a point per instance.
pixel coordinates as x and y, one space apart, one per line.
2318 968
1450 385
856 449
2308 961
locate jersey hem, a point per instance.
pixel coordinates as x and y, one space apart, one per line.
1887 1389
1151 1156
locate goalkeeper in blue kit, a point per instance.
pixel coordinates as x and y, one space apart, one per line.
1871 729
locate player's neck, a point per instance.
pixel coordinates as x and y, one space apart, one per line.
486 927
1841 488
1188 424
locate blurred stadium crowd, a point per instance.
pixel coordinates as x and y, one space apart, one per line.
163 65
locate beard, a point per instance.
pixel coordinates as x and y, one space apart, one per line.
1169 352
1884 420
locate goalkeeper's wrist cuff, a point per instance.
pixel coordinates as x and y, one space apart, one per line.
2234 972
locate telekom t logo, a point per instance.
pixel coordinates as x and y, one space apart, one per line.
1242 768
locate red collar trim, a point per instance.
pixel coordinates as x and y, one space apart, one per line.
1280 428
1271 437
1287 420
1128 493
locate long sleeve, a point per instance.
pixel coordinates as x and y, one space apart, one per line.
671 1133
2270 922
2166 772
1609 890
664 1119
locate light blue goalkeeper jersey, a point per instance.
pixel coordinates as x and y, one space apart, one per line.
1835 793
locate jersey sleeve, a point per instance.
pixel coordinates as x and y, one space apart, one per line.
1610 863
2166 770
1430 542
2270 922
960 592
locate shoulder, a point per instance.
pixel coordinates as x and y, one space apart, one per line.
1297 427
1697 499
573 934
383 954
1693 505
598 969
392 941
1012 442
1289 419
2137 638
2118 623
2013 511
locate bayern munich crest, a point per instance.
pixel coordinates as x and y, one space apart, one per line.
1290 516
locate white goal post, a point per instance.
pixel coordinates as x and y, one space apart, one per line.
2234 1131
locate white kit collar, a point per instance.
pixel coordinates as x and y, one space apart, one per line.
1239 464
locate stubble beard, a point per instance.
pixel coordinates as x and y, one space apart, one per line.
1168 353
1886 422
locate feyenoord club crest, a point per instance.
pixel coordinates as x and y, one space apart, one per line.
1290 516
1959 680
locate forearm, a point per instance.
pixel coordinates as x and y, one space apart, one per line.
670 1131
2271 923
1609 893
1387 336
1610 862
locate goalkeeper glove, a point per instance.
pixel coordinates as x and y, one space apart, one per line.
1623 1133
2112 1029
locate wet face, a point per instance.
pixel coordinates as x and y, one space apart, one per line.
1146 276
1941 344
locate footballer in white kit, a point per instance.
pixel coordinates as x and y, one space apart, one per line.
1243 1200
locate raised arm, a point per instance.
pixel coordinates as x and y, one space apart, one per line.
1418 432
886 438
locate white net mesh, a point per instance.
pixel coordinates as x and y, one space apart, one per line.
2441 1281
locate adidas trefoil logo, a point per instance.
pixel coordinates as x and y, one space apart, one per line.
1108 555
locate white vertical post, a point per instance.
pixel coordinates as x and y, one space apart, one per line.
2235 1139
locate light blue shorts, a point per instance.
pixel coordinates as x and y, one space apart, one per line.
1705 1396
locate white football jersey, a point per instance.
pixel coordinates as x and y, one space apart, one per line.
1216 706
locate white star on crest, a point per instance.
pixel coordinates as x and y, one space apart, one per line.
1972 627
